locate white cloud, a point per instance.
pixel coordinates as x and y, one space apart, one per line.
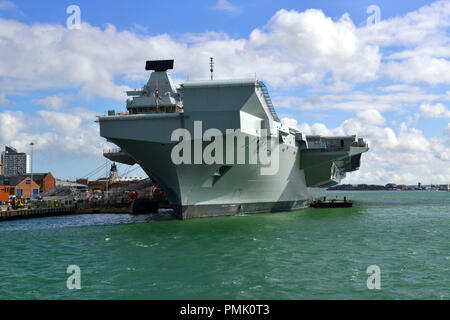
294 48
427 24
54 133
385 139
418 43
5 5
442 148
400 155
316 129
49 56
12 123
51 102
397 98
420 69
424 50
60 122
290 122
401 88
371 116
316 42
435 111
225 5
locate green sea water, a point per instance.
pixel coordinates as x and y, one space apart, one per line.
306 254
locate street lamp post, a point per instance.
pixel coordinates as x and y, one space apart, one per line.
31 167
107 179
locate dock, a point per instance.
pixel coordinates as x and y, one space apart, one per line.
138 206
35 213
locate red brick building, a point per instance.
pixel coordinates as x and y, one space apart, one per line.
21 186
46 181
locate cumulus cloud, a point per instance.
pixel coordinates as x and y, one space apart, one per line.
316 42
412 29
442 148
51 102
435 111
55 133
294 48
420 69
11 124
401 155
39 56
420 39
316 129
371 116
290 122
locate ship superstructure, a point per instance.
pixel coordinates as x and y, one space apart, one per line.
218 147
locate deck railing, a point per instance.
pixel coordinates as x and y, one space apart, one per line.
269 101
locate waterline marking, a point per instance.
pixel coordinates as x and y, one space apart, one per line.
374 280
258 148
74 281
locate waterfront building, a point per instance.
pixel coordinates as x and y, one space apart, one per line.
22 186
46 181
14 163
4 194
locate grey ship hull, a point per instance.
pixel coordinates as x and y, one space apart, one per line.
195 192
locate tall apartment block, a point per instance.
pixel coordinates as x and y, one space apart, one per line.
14 163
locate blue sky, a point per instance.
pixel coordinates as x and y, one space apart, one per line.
178 17
328 72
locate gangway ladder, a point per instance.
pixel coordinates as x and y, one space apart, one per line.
269 101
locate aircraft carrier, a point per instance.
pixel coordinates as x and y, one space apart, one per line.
218 147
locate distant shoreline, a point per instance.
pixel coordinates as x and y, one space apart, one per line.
389 187
410 190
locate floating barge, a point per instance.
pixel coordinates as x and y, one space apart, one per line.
324 203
